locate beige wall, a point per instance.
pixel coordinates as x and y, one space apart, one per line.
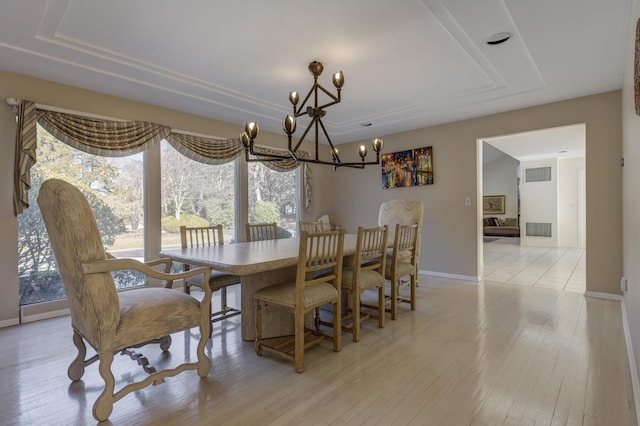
450 230
631 196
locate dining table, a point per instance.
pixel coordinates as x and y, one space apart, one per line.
259 264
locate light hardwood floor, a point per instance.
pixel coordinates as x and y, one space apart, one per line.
471 354
507 262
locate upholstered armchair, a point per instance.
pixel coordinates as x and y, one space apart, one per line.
108 320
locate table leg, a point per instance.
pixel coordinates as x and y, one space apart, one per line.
275 322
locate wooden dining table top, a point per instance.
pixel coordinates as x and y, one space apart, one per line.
248 257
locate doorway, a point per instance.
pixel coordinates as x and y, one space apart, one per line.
541 177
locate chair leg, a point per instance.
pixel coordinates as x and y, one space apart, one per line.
414 284
258 342
337 326
381 306
104 404
204 363
223 298
355 308
299 340
76 369
394 298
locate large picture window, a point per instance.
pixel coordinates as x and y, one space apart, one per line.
113 187
273 198
195 194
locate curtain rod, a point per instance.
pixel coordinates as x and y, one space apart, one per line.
15 102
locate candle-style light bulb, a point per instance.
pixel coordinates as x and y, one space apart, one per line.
338 79
289 125
362 151
252 129
293 98
334 154
377 144
244 138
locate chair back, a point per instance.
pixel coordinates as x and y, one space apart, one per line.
311 227
371 248
326 224
405 245
400 211
75 239
320 260
262 231
201 236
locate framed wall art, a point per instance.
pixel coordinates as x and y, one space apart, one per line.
493 204
413 167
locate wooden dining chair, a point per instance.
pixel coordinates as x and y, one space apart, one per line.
113 322
403 263
262 231
204 236
311 227
310 290
367 272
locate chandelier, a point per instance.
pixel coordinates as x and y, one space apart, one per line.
316 113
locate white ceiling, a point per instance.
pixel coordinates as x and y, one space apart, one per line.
557 142
407 63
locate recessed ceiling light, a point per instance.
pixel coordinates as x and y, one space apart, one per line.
498 38
365 124
562 152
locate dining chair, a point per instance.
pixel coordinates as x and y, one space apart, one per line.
262 231
317 252
205 236
311 226
367 272
112 321
400 211
403 263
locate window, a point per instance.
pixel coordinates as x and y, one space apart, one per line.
273 198
195 194
113 187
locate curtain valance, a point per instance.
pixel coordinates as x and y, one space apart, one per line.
112 138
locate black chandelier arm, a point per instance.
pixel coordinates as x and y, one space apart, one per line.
336 99
301 139
299 111
333 150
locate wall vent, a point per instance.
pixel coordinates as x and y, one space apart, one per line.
538 174
538 229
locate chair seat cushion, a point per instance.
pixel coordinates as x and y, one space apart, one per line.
368 279
283 294
402 269
148 313
217 281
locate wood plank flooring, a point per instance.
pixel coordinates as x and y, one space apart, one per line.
471 354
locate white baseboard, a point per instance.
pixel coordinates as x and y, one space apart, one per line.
633 371
598 295
44 310
45 315
9 322
452 276
635 383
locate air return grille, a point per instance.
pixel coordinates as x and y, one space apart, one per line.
538 174
538 229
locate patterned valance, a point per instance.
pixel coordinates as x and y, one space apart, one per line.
112 139
206 150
